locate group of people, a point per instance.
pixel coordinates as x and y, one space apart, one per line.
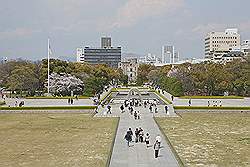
132 102
152 105
214 103
140 137
70 101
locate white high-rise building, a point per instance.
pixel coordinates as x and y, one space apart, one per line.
169 55
245 47
176 57
219 43
79 55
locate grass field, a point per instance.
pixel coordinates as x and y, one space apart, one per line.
55 140
210 139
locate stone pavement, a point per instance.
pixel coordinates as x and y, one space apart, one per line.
138 155
48 102
204 102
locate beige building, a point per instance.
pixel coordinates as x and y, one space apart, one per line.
219 43
130 68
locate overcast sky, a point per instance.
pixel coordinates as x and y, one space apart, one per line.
139 26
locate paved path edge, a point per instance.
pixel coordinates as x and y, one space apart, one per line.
112 144
179 160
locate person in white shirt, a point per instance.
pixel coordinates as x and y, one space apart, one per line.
158 138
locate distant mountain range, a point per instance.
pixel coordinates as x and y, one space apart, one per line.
66 58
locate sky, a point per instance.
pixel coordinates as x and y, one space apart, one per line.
138 26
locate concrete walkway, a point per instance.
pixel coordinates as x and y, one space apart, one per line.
138 155
204 102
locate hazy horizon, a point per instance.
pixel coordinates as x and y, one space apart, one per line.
138 26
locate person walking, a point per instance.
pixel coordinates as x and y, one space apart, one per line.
220 103
147 139
122 108
68 100
109 109
156 109
208 103
189 102
128 136
136 135
141 135
166 109
138 115
157 148
145 104
172 97
135 115
71 101
150 108
158 138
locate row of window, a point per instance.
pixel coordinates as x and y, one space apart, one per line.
224 41
219 45
224 37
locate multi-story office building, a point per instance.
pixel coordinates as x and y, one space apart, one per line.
245 47
79 55
110 56
130 68
169 55
106 54
106 42
176 57
219 43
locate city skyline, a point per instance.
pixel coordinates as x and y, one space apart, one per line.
139 26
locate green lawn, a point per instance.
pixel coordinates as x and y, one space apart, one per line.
210 139
50 140
211 97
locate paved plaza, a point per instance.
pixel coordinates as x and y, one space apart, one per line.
138 154
48 102
204 102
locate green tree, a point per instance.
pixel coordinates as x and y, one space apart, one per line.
23 79
143 72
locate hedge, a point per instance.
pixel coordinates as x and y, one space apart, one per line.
213 108
50 108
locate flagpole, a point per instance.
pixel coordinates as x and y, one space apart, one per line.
48 63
